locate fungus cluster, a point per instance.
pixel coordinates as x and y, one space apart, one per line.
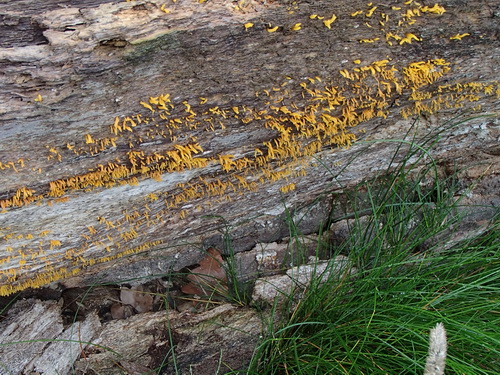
392 24
306 116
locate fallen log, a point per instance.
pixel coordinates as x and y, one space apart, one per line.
133 133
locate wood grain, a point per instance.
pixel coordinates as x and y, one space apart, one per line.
86 197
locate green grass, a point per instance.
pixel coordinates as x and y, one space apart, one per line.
377 321
409 277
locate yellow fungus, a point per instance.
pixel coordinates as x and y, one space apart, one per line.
459 36
436 9
88 139
163 9
248 25
38 98
313 16
390 35
373 40
146 105
329 21
272 29
287 188
408 38
301 129
296 27
369 13
54 243
226 162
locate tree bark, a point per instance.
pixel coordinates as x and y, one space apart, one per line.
133 133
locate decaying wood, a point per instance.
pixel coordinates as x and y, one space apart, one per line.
223 337
85 196
35 340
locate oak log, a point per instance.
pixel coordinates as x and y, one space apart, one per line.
133 133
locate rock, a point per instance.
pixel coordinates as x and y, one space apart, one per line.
268 290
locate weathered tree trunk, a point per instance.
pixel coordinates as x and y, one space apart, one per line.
133 132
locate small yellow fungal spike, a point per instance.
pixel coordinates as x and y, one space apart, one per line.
248 25
345 74
89 139
187 105
369 40
357 13
408 38
38 98
313 16
272 29
391 35
459 36
296 27
152 197
287 188
357 61
163 9
54 243
226 162
436 9
328 22
146 105
370 12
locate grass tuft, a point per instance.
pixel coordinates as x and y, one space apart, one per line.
409 278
